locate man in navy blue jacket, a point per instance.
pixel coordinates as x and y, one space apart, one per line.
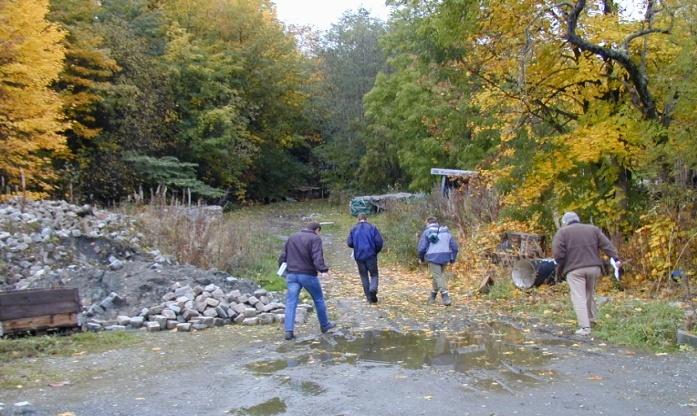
366 242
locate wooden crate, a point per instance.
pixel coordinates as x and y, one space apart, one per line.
38 309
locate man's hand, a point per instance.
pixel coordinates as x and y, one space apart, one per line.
324 275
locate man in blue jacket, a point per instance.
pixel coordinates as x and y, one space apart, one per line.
438 247
366 242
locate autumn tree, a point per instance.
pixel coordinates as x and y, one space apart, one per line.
86 74
31 58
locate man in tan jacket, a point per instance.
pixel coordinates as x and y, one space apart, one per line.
576 248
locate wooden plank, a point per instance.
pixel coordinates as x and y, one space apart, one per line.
27 311
34 296
63 320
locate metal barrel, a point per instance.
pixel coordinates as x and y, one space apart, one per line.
529 273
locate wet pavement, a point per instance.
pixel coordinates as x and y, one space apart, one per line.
400 357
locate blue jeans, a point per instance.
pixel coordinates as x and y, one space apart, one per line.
295 283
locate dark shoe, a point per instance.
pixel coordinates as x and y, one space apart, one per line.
432 298
328 327
289 335
373 297
445 298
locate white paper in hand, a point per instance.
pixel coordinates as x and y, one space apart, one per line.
282 270
616 268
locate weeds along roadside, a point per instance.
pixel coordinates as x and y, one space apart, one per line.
236 244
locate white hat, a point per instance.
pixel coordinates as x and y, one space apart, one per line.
569 218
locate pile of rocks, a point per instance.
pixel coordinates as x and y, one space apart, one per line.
187 308
40 239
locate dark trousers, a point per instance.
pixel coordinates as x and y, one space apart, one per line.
368 267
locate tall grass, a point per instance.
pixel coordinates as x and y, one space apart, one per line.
194 236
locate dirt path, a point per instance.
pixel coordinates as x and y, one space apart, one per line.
400 357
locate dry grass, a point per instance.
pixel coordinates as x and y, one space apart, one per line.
195 236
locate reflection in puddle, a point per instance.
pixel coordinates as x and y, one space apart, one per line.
272 366
462 352
270 407
499 358
306 388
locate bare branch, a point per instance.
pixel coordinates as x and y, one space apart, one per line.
636 75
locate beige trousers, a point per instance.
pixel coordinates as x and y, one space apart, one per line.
439 280
582 285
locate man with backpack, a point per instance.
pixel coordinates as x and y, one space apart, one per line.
366 242
437 247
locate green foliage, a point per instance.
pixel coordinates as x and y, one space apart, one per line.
419 112
646 325
502 289
349 58
401 225
170 171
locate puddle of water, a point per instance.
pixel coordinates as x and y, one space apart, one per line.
460 352
270 407
271 366
499 356
306 388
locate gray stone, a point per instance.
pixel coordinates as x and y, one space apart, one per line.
210 288
273 306
174 307
239 319
251 321
190 313
171 324
240 308
160 319
207 320
199 326
261 292
186 291
252 300
155 310
259 306
280 317
266 318
210 312
123 320
218 293
116 265
184 327
115 328
183 299
107 303
250 312
200 306
265 300
169 314
197 290
212 302
136 321
152 326
169 296
93 326
218 321
242 298
221 311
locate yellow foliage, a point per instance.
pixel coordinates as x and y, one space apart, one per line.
30 112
